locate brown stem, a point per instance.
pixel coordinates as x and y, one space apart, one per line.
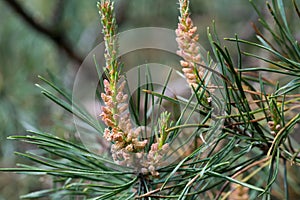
57 37
240 172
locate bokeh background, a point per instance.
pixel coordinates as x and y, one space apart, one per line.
51 38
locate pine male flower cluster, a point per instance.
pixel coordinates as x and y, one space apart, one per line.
160 148
187 40
128 148
120 132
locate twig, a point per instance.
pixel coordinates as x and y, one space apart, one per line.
154 191
57 37
240 172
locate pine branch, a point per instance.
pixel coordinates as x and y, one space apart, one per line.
57 37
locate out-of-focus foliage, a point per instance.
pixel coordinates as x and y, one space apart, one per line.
25 53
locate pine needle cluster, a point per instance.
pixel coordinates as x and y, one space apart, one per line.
246 157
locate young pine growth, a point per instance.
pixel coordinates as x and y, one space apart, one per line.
128 149
187 40
119 129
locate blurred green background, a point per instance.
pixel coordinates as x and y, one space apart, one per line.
63 34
